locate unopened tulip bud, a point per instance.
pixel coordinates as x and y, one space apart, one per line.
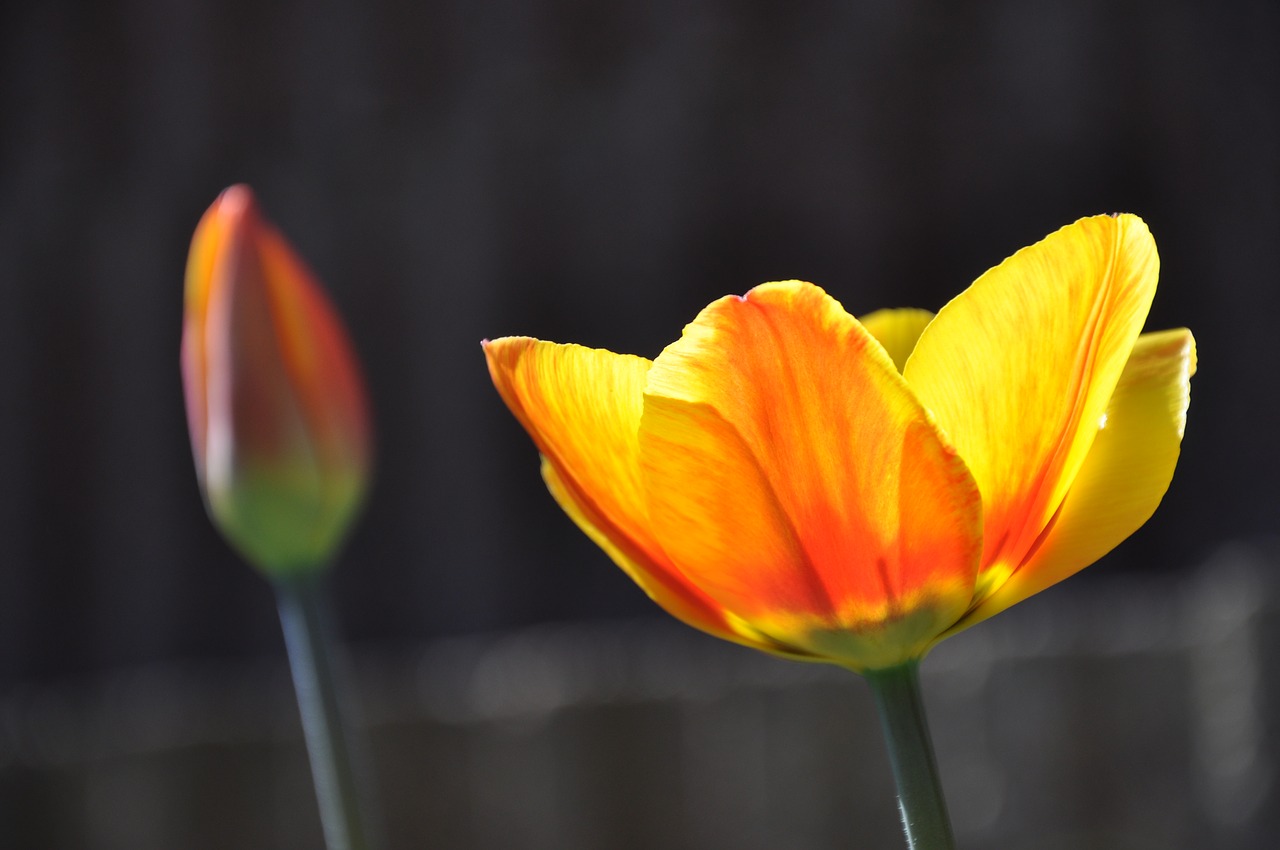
275 403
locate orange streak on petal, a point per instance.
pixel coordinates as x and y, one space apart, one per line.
793 476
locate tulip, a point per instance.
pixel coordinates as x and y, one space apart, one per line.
790 478
275 403
281 436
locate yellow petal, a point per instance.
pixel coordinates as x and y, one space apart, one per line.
582 408
1125 474
897 330
792 476
1019 368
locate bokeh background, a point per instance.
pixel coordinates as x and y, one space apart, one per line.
577 171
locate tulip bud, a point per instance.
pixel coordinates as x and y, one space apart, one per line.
275 403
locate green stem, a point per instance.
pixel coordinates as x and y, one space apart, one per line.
308 637
920 800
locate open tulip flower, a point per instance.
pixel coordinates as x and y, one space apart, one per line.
797 480
791 478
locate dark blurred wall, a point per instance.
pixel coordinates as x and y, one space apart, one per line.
579 171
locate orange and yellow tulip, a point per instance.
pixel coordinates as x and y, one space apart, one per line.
791 478
275 402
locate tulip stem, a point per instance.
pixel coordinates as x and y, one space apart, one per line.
906 733
308 636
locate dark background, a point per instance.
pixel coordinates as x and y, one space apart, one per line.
578 171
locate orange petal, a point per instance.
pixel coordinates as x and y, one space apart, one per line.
582 408
1124 476
1019 368
661 582
210 238
792 476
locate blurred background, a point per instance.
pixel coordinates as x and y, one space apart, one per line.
598 172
